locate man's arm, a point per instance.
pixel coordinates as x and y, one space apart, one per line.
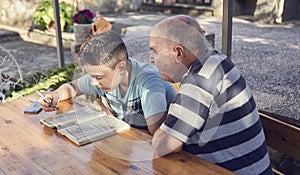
164 144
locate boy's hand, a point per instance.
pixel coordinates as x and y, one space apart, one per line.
52 97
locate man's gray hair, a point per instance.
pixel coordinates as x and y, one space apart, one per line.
105 48
181 32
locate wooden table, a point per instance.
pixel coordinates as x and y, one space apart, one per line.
28 147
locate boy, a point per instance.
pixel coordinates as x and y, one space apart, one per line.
133 90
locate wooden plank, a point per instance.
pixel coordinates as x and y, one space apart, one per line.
281 136
138 151
25 151
38 149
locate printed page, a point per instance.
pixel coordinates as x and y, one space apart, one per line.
95 129
71 117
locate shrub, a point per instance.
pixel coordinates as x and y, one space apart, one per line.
52 79
44 15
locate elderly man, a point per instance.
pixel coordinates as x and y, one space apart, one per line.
214 115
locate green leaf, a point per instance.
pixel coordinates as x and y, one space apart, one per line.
62 23
50 12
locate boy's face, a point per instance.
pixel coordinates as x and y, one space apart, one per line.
104 77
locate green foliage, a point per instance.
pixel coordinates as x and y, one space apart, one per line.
52 79
44 14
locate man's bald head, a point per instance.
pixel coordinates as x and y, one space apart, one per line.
190 21
183 30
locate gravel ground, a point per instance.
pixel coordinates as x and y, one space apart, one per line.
33 57
269 58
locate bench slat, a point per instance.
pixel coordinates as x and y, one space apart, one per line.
281 136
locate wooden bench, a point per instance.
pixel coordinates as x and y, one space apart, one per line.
281 136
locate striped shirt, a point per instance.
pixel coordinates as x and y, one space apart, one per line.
215 115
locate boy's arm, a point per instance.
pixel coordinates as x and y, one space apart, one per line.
104 107
154 121
68 90
65 91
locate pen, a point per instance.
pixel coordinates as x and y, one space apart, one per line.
46 100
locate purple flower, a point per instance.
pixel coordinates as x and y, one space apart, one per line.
84 17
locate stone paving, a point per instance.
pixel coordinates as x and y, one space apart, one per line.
267 55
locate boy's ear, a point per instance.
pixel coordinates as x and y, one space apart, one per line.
121 66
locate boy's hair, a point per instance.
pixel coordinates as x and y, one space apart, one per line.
105 48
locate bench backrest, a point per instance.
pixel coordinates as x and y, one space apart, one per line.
281 136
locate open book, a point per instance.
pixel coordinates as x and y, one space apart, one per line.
85 125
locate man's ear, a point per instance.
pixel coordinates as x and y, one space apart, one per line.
179 52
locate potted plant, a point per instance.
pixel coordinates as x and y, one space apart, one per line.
44 15
84 17
83 20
